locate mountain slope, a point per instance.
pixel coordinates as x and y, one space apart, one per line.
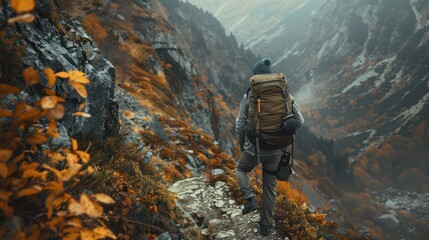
269 28
174 57
368 64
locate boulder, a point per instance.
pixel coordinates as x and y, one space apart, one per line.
69 48
388 221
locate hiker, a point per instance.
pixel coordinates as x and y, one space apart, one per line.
269 158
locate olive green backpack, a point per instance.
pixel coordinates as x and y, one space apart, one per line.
270 105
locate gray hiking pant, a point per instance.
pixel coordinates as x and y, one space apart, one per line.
245 164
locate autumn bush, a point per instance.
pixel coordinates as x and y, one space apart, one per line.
358 206
92 25
398 161
39 179
144 207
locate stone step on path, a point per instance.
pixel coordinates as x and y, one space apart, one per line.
214 211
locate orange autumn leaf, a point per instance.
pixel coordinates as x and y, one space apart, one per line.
49 92
72 230
6 209
75 208
52 129
23 5
57 112
29 191
87 234
55 171
51 76
5 195
84 156
78 77
71 236
90 207
90 170
54 222
48 102
31 76
103 232
68 174
31 173
74 74
103 198
5 154
25 113
75 222
82 114
5 113
82 106
26 18
80 89
8 89
36 139
56 157
33 165
55 186
62 75
4 170
74 144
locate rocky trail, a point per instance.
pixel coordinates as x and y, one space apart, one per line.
217 215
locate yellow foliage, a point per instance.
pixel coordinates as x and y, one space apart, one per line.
8 89
29 173
31 76
294 195
23 5
82 114
50 74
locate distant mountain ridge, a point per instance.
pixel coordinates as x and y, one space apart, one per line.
269 28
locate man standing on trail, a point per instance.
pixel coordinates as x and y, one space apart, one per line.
269 158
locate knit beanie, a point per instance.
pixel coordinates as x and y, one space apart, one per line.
262 66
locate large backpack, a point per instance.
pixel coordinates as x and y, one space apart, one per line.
270 106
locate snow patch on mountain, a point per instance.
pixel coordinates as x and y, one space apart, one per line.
218 11
266 37
388 68
287 53
419 24
238 23
408 114
300 6
361 79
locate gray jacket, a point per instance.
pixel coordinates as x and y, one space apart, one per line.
241 124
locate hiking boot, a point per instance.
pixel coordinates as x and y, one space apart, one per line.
265 230
250 206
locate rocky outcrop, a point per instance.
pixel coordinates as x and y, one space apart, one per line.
214 211
134 115
65 46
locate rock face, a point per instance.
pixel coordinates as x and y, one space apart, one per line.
216 56
70 48
214 211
